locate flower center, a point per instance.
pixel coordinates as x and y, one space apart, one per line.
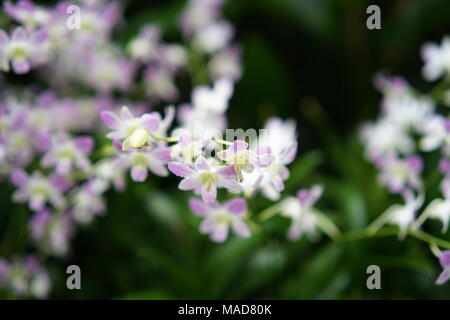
66 153
207 178
139 159
222 218
240 159
18 51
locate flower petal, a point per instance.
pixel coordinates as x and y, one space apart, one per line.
125 114
151 121
238 146
220 233
4 39
198 207
21 67
240 228
188 183
444 259
110 119
138 173
236 206
443 277
19 34
209 193
180 169
201 163
228 172
84 143
39 37
19 177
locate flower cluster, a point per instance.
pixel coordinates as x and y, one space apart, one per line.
411 125
52 142
196 152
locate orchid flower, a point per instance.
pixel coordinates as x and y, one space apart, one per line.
219 218
204 179
22 49
135 132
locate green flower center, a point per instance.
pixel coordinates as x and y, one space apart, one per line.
208 178
18 51
139 159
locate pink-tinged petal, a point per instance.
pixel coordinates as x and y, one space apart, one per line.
209 194
284 173
21 67
43 141
198 207
85 144
230 185
118 145
290 153
294 232
220 233
39 37
63 167
444 259
180 169
37 203
125 114
278 184
443 277
263 150
309 197
316 193
228 172
4 39
236 206
238 146
415 163
207 226
241 228
19 34
188 183
201 163
138 173
264 160
429 50
151 121
60 183
162 154
110 119
159 169
115 135
19 177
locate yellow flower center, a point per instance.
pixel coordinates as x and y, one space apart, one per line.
18 51
208 178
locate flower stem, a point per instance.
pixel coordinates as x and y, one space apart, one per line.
357 235
220 141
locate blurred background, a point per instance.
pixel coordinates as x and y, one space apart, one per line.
311 60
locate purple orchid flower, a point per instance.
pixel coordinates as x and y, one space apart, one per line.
444 260
88 201
243 159
22 49
204 179
27 13
51 232
134 131
401 174
67 154
144 159
37 189
218 218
